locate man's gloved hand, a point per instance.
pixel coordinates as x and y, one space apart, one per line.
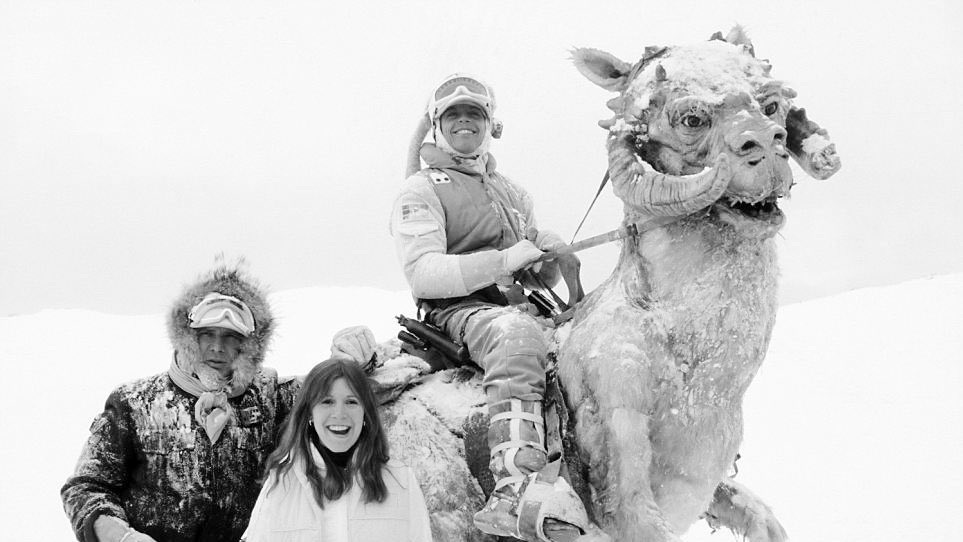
355 342
520 255
546 240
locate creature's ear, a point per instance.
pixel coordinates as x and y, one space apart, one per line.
601 68
809 145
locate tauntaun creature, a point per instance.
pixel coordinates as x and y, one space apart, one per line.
655 362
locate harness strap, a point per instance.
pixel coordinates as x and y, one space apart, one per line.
605 179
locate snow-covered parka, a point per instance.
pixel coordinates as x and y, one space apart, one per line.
451 221
147 460
287 511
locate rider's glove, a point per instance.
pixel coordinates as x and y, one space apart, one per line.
520 255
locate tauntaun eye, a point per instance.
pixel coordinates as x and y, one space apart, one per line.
693 121
771 108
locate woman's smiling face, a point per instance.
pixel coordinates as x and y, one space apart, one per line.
338 417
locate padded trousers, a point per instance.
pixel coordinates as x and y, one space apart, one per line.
509 344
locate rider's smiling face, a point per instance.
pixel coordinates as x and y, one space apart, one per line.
463 126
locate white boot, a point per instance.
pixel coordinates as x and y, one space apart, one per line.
526 495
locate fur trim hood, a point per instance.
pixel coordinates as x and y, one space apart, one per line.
232 281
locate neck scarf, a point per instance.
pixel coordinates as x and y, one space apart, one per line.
212 411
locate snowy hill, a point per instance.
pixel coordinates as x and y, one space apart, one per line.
853 425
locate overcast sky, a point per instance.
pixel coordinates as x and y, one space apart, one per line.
139 139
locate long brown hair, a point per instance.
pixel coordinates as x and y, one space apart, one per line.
371 450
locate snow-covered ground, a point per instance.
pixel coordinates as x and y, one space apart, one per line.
854 425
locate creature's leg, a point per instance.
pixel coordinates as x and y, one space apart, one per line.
511 347
634 512
735 507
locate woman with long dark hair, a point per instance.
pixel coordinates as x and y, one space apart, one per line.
330 477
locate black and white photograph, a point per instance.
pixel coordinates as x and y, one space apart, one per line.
627 271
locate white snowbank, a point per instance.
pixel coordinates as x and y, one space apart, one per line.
853 425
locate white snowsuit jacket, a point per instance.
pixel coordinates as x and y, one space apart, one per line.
451 223
286 511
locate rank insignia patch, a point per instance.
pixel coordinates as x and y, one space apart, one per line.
439 177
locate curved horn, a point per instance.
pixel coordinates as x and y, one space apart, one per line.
810 146
636 183
414 157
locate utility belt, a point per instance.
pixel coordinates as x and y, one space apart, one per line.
495 295
489 294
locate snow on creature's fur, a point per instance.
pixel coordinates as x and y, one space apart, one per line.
656 360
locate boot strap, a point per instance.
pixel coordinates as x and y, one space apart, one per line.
513 412
515 405
517 444
508 481
512 415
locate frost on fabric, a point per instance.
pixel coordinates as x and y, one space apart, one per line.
148 459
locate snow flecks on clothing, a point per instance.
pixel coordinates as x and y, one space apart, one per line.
148 459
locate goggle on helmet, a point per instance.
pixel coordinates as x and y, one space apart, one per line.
462 88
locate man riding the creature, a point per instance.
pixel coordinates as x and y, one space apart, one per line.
468 242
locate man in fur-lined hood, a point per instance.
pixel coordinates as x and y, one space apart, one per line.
218 292
177 456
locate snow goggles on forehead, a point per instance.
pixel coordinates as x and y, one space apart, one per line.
218 310
468 86
463 89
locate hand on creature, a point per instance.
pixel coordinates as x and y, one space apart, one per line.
355 342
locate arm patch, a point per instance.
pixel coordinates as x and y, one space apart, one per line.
415 212
416 219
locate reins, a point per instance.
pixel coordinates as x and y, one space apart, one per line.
605 179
